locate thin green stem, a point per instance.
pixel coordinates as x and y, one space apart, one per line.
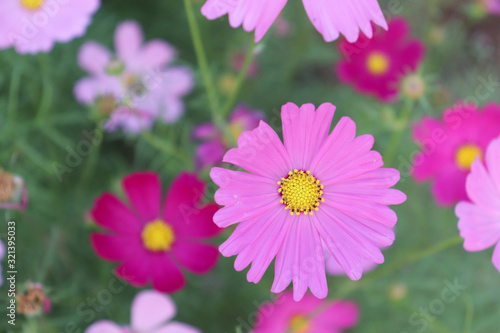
239 79
47 92
15 82
395 139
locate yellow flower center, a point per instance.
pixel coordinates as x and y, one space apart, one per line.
466 154
158 236
377 63
32 4
299 324
300 192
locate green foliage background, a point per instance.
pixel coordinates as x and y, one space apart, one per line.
39 119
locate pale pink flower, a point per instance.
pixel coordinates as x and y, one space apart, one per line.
315 188
32 26
330 17
479 220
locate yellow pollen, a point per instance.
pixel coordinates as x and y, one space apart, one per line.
299 324
466 154
158 236
377 63
32 4
300 192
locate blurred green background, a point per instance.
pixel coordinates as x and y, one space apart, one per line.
39 118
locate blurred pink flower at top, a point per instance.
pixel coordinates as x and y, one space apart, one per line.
376 66
151 312
450 146
479 220
151 240
32 26
330 17
285 315
138 82
213 147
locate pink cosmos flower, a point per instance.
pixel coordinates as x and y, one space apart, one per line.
479 220
211 151
135 86
316 188
150 240
376 66
333 268
32 26
286 315
151 313
450 146
330 17
2 254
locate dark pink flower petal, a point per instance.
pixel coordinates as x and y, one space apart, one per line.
110 213
166 276
113 247
195 257
183 198
135 270
339 315
143 190
198 223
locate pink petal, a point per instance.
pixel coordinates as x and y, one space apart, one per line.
339 315
143 190
128 39
150 309
305 130
183 197
334 17
493 162
261 152
104 326
198 223
301 260
209 153
478 226
114 248
195 257
110 213
480 187
166 276
94 58
154 55
135 270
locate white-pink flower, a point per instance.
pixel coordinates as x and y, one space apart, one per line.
479 220
151 313
138 81
32 26
330 17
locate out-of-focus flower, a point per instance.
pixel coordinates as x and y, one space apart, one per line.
151 240
135 86
310 315
316 188
479 220
376 66
13 193
237 61
282 27
2 255
492 6
213 147
330 17
413 86
151 312
450 146
398 291
33 301
32 26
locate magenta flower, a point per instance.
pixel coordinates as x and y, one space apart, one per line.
150 241
450 146
330 17
479 220
316 188
138 83
32 26
375 67
151 313
211 151
310 315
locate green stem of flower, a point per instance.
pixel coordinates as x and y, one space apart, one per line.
395 140
239 79
47 92
15 82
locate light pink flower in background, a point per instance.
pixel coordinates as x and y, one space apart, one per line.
213 146
33 26
151 312
310 315
449 147
317 188
479 220
138 81
330 17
